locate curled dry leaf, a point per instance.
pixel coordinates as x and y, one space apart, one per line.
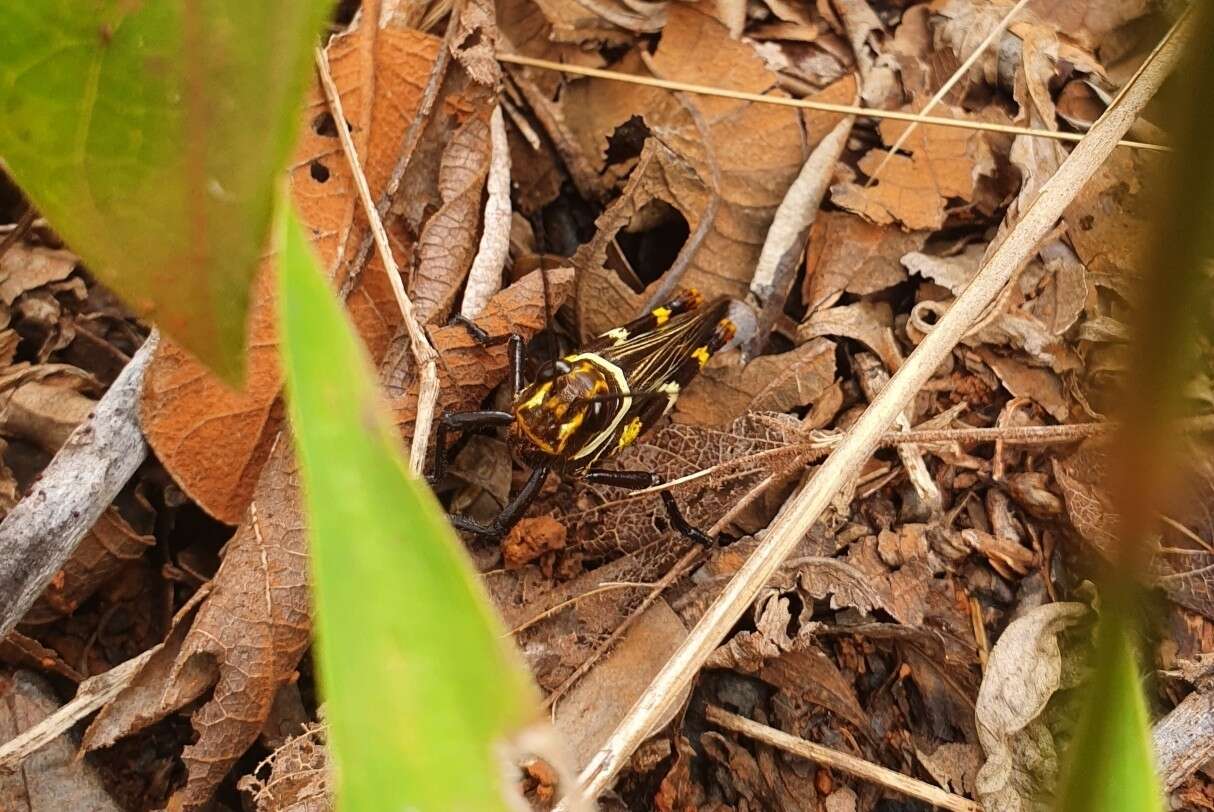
448 242
53 777
26 267
870 323
769 383
214 440
108 547
1026 666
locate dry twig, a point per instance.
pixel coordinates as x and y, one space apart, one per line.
427 358
843 463
819 754
40 533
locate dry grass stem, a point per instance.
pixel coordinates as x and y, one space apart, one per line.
826 107
844 762
427 358
848 457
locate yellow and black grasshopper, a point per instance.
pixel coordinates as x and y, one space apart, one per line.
584 407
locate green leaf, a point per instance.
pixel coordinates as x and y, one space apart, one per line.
152 135
1110 764
420 684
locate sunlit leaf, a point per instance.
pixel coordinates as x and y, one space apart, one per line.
151 135
419 684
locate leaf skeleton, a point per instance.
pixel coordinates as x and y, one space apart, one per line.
584 407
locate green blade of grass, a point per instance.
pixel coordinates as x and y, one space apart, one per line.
1110 764
151 135
419 683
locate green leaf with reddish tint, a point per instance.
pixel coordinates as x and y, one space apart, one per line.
153 136
421 687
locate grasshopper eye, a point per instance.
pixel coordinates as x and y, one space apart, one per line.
551 369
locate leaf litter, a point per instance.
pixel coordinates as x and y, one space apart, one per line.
917 626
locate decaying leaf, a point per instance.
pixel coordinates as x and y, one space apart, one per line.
244 643
1182 564
531 538
769 383
294 778
448 242
24 268
1026 666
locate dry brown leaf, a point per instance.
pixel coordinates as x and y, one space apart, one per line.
244 643
1086 22
25 267
870 323
1109 221
595 705
214 440
603 300
1023 381
103 553
20 651
755 150
53 777
44 411
848 254
806 676
769 383
1026 666
555 30
448 242
944 163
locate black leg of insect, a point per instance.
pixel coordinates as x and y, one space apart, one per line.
584 407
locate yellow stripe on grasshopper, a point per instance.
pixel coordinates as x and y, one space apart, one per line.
661 315
701 355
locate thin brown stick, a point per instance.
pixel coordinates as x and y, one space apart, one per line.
427 358
825 107
608 586
845 762
978 51
1037 219
22 226
408 144
681 566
